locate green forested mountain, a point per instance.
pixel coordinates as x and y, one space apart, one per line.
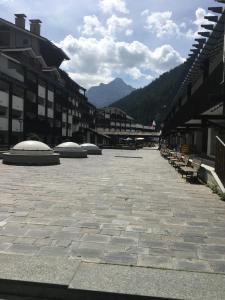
152 102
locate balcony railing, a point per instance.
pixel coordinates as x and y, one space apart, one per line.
220 160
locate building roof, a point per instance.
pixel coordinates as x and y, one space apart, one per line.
41 38
209 45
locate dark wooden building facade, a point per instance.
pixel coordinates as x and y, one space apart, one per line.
36 96
197 113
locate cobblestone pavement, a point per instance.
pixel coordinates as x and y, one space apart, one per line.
113 210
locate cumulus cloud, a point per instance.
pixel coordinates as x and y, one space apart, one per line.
135 73
114 25
96 60
109 6
92 26
129 32
161 23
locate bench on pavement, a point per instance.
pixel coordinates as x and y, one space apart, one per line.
191 171
182 163
176 158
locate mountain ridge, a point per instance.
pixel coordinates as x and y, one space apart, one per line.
106 93
153 101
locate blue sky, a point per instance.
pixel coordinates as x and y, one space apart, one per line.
136 40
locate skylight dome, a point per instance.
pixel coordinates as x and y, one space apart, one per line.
92 149
71 150
31 153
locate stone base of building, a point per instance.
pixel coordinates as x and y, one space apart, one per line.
94 151
72 154
29 160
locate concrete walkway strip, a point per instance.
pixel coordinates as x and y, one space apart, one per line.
42 269
64 277
168 284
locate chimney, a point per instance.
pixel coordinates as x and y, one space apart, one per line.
35 26
20 20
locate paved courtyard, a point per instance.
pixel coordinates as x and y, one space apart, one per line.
113 210
124 222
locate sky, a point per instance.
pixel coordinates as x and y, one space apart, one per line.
136 40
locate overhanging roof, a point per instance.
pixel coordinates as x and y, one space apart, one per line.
41 38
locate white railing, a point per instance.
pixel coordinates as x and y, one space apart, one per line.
17 103
41 91
220 159
50 113
17 125
3 123
41 110
50 96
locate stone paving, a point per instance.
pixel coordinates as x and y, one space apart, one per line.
112 210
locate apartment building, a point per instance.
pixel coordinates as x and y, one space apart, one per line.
117 124
36 96
197 113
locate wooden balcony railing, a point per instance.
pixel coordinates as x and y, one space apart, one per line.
220 160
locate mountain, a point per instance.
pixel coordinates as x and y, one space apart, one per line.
105 94
153 101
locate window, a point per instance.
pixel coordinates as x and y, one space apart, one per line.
31 77
3 111
58 107
4 86
50 104
31 97
16 114
4 36
41 101
50 122
18 91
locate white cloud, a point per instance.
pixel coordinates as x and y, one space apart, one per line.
97 60
109 6
135 73
88 81
161 23
114 25
129 32
199 20
200 14
92 26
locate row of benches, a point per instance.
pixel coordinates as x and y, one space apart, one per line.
187 168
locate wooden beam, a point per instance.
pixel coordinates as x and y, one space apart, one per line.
207 26
200 40
205 33
220 1
211 18
217 10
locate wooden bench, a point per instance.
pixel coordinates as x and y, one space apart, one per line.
182 163
191 172
172 155
165 152
176 158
